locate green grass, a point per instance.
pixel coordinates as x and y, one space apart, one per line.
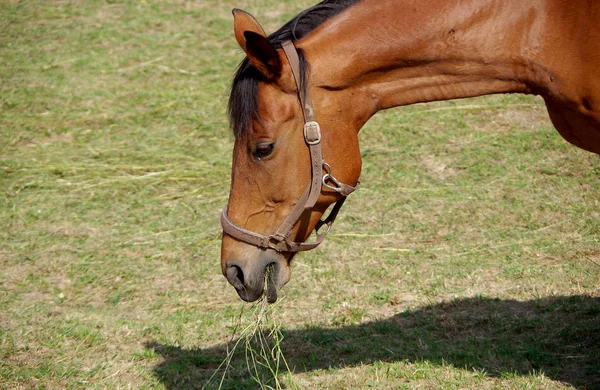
470 257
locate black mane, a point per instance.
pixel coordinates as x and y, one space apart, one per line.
243 102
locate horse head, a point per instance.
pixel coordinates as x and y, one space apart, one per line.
291 157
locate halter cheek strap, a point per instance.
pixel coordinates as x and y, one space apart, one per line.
280 241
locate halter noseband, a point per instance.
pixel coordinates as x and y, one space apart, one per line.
280 241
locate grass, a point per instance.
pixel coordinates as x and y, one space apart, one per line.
470 257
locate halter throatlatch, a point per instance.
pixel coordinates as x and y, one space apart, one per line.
280 241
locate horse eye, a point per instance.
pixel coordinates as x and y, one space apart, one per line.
263 150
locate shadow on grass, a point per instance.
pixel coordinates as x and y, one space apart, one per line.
559 336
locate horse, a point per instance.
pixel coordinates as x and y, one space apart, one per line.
301 95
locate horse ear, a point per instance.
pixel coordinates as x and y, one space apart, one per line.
252 39
262 55
243 21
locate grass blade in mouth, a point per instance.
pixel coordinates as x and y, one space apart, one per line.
270 285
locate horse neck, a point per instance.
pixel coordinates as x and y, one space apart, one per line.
391 53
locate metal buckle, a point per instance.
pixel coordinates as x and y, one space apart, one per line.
275 239
312 133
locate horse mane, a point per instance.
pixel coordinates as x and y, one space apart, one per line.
243 100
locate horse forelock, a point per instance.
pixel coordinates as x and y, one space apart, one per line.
243 100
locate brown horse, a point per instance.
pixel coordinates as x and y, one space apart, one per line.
354 58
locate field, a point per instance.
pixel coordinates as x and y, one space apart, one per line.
469 258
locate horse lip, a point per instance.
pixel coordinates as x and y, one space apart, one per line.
272 294
248 296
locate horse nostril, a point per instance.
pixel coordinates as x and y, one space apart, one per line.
235 276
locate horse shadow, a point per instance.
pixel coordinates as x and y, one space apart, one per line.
559 336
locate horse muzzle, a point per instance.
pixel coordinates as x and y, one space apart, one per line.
253 279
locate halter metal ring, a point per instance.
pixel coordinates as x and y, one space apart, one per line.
329 176
320 225
326 177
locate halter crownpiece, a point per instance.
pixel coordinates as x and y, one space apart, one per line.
280 241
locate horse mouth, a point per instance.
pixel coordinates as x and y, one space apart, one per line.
268 288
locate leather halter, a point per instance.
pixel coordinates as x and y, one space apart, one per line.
280 241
